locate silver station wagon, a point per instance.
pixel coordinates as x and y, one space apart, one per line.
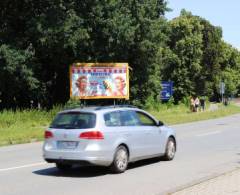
107 136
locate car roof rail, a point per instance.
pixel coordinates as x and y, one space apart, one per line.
115 106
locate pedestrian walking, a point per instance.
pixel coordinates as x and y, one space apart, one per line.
202 103
196 103
192 104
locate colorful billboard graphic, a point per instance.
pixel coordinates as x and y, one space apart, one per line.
99 80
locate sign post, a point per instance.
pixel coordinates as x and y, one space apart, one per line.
222 89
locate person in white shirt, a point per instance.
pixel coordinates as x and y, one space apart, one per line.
197 103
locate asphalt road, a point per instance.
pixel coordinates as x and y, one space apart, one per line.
205 149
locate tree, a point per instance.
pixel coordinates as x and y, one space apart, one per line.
230 66
61 32
212 51
186 43
18 83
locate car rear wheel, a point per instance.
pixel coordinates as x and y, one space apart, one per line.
63 167
170 149
120 161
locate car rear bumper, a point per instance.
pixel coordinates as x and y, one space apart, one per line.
57 158
93 157
72 162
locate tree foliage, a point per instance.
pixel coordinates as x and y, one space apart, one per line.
186 42
40 39
198 59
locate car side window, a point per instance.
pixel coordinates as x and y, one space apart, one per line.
145 120
112 119
129 118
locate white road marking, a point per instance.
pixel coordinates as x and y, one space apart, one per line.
23 166
210 133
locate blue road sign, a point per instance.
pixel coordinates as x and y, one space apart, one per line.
167 90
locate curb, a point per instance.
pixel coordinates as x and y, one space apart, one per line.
198 181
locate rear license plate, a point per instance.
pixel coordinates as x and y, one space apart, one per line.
67 144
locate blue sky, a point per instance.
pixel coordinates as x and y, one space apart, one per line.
219 12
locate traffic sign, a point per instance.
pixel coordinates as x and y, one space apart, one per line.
222 87
167 90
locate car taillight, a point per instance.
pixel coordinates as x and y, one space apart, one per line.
48 134
91 135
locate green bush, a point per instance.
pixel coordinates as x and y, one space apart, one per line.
186 101
155 104
73 103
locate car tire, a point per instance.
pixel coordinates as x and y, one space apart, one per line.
120 161
63 167
170 149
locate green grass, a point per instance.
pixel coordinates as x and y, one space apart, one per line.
29 125
23 126
181 114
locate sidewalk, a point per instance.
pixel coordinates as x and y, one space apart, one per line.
226 184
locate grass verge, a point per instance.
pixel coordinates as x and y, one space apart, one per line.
181 114
24 126
29 125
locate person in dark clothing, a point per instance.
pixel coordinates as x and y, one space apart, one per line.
202 103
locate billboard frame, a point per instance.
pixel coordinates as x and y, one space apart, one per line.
95 65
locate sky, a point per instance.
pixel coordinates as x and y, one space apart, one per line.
225 14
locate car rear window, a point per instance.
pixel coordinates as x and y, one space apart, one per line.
74 120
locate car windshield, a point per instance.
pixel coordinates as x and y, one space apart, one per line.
74 120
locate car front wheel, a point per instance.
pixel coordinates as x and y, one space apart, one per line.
170 149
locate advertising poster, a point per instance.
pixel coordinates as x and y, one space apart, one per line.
99 80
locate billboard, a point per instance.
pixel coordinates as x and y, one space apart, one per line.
99 80
167 90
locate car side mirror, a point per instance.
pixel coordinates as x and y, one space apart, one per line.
160 123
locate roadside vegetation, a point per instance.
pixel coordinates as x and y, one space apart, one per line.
40 39
23 126
181 114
